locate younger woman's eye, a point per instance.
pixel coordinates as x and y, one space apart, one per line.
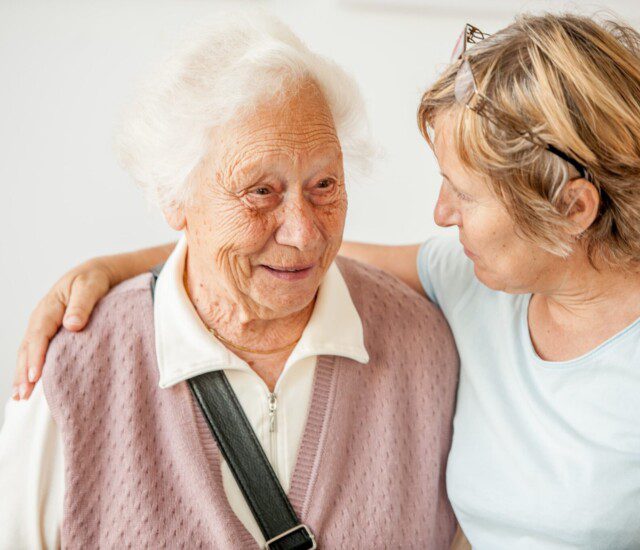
462 196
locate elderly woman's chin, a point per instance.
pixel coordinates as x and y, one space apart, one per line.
281 290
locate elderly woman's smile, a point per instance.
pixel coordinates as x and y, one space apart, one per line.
292 273
267 211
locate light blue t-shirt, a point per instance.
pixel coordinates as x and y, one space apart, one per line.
544 454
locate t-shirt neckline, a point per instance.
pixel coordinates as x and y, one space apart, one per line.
576 361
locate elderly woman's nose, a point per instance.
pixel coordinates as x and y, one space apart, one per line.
446 214
298 226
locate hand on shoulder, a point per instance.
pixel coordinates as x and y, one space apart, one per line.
70 303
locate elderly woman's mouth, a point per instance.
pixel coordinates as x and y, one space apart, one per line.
289 273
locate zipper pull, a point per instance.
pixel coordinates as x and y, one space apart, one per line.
273 406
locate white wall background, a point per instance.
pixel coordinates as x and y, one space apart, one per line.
66 67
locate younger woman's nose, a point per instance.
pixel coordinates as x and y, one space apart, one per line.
446 212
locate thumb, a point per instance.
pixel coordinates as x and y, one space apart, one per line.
85 293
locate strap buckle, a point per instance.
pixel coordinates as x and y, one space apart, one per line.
301 527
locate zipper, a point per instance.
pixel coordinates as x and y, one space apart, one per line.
273 431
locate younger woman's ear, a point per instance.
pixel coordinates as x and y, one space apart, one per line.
175 216
581 202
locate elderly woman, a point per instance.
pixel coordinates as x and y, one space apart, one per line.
537 133
240 140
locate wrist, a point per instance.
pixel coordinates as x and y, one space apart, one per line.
107 267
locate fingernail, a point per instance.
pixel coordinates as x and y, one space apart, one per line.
32 374
73 320
23 390
15 393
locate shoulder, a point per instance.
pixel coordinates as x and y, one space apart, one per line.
124 301
122 315
136 288
366 282
384 300
409 342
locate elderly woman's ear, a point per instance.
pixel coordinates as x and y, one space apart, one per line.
175 216
582 203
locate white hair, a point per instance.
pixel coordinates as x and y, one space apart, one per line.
220 72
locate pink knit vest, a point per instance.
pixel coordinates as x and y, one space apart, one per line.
143 471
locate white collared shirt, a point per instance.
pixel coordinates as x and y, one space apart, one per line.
31 459
185 348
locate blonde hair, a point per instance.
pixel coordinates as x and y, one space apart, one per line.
576 83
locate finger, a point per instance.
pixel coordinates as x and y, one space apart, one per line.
21 386
25 390
85 293
21 364
19 374
43 325
45 319
36 354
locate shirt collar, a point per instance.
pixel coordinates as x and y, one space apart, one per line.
185 348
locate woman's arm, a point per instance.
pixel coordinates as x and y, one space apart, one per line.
73 297
70 302
400 261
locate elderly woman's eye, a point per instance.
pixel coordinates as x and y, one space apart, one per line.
324 183
262 196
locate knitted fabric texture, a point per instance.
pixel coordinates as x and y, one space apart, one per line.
142 469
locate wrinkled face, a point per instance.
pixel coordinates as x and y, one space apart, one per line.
502 259
268 205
